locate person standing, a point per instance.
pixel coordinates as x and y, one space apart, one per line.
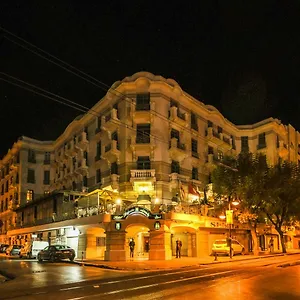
178 248
131 247
271 245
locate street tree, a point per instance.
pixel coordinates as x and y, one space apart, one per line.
243 183
282 202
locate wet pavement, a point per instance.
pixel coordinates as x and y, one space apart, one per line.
275 277
140 264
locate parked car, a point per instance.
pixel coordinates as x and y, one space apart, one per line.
3 248
31 249
13 250
56 252
222 247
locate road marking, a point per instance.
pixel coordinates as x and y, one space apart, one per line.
71 288
153 285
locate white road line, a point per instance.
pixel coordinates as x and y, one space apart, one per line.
153 285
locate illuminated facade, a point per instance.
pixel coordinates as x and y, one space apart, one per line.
147 144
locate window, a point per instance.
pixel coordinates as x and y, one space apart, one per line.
143 101
46 177
244 144
114 168
98 151
220 129
209 124
85 155
261 141
85 181
232 141
175 168
99 121
175 134
210 150
47 158
143 134
2 189
6 186
194 147
30 195
98 176
194 124
30 176
195 173
31 156
220 155
143 163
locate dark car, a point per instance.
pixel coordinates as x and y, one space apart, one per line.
56 252
3 248
13 250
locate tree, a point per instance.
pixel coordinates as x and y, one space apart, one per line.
271 191
234 183
282 202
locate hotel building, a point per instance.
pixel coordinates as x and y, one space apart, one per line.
134 166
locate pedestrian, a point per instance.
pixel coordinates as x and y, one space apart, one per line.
178 248
271 245
131 247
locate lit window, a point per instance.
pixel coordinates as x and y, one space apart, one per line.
29 195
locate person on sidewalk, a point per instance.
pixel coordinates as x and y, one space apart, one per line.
178 248
131 247
271 245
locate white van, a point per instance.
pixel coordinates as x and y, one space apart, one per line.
31 249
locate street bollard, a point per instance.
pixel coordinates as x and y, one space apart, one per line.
82 259
216 256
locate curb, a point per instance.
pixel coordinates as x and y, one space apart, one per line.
102 266
289 264
7 276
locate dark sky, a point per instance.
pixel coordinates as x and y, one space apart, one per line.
241 56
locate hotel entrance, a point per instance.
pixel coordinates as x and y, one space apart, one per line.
138 235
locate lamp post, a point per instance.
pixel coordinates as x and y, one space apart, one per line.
229 221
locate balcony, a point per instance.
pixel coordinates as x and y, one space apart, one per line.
69 171
142 180
111 182
59 176
177 150
70 149
142 114
214 137
142 143
81 167
282 149
178 117
110 122
111 152
82 142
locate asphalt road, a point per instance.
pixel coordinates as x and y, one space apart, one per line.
267 278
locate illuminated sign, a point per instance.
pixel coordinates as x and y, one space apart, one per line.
157 225
229 216
137 210
118 225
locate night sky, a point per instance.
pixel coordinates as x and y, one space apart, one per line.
243 57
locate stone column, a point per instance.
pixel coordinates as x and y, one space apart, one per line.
202 243
160 245
115 246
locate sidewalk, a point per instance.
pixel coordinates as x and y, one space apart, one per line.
143 265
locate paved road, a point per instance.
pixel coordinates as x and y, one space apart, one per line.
268 278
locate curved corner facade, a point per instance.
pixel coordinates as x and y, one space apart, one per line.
135 166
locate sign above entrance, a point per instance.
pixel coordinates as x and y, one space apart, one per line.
137 210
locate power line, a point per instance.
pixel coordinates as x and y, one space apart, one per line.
107 89
45 93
